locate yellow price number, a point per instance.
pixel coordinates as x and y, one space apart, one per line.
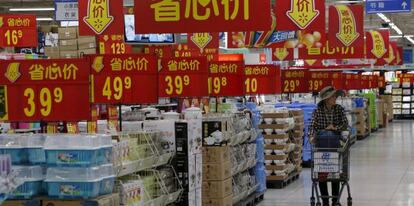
215 84
177 84
290 85
251 85
315 85
114 87
46 97
13 36
118 48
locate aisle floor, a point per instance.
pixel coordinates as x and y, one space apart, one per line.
382 172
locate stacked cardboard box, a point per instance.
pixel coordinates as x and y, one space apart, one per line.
217 189
390 111
362 124
86 45
297 136
382 113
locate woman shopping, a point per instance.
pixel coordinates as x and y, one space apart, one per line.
330 117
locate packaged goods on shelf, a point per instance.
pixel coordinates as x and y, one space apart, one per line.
33 182
107 200
68 33
87 42
23 149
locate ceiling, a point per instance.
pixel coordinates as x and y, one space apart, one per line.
405 21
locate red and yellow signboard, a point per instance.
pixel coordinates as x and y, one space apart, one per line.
126 79
407 77
183 77
327 51
377 45
300 15
204 44
192 16
101 17
113 44
399 56
262 79
47 90
338 80
381 82
319 80
226 78
18 30
352 81
295 81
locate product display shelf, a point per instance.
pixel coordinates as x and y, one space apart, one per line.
154 159
403 100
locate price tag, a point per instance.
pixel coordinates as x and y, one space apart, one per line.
183 77
18 30
365 83
318 80
226 79
261 79
338 80
113 44
373 81
48 90
124 79
404 78
294 81
381 82
353 81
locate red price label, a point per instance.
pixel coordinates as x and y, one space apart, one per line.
45 90
318 80
262 79
381 82
183 77
113 44
365 83
18 31
294 81
353 81
226 79
338 80
126 79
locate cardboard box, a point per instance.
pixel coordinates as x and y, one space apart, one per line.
217 189
69 48
52 52
69 54
22 203
68 33
86 42
220 171
216 154
68 42
274 177
107 200
226 201
86 51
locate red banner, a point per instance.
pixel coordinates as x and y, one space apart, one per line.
101 17
373 81
352 81
47 90
327 51
205 44
300 15
124 79
262 79
377 45
365 83
113 44
338 80
18 30
346 25
183 77
381 82
164 51
282 54
226 79
319 80
190 16
295 81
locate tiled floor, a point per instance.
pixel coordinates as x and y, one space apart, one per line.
382 172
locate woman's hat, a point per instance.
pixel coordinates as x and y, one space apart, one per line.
328 92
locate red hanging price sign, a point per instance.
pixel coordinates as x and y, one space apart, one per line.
183 77
226 79
113 44
337 80
318 80
262 79
381 82
295 81
126 79
18 30
373 81
48 90
352 81
365 83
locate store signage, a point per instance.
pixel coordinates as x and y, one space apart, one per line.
328 51
101 17
204 44
161 51
338 80
381 82
66 10
346 24
407 77
295 81
183 77
124 79
352 81
262 79
282 36
283 54
300 15
319 80
373 81
392 58
226 78
113 44
387 6
190 16
17 30
46 90
365 83
377 43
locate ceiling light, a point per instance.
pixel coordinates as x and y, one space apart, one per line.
384 18
44 19
410 39
401 36
32 9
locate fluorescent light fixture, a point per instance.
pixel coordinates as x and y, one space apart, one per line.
410 39
44 19
32 9
401 36
384 18
396 29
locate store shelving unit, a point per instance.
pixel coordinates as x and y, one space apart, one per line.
403 100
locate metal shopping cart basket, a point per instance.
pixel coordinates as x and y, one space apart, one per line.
330 162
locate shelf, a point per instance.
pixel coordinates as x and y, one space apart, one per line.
130 167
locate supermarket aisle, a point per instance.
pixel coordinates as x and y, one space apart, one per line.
382 172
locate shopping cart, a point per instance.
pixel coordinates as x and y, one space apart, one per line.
330 163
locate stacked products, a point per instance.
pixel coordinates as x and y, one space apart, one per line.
297 137
362 118
389 107
403 99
